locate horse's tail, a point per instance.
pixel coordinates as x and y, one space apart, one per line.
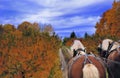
90 71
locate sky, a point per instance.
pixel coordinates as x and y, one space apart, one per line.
65 16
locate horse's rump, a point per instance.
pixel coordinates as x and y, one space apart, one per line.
78 67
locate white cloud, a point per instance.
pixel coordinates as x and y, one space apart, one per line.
76 21
63 22
55 12
56 8
64 6
66 3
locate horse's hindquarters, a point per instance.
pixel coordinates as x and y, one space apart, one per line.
76 68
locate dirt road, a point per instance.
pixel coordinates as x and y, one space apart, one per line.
63 64
64 61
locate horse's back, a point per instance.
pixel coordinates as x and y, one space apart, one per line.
113 63
99 65
76 69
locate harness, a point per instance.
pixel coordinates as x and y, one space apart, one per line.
86 56
77 51
80 49
108 49
107 54
87 59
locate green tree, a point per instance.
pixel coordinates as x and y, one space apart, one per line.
73 35
86 35
65 40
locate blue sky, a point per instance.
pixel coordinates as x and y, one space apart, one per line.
65 16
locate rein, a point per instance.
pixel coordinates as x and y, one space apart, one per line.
108 53
105 59
110 46
108 69
77 51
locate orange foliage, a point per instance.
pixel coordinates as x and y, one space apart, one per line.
28 56
110 22
70 42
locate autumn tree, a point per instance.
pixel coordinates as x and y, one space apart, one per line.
109 24
25 54
24 26
8 28
36 26
29 29
48 29
1 29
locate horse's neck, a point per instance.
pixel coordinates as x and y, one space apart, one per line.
77 44
80 45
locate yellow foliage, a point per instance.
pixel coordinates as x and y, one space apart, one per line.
33 56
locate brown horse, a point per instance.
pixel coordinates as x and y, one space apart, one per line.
86 66
110 51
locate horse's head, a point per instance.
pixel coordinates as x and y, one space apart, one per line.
102 53
78 48
106 47
103 47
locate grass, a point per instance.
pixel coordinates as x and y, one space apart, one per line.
56 70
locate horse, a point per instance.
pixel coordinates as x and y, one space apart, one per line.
83 65
110 51
78 48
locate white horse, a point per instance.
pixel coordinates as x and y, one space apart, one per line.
110 50
78 46
106 44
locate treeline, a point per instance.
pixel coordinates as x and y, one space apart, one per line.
91 42
29 51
